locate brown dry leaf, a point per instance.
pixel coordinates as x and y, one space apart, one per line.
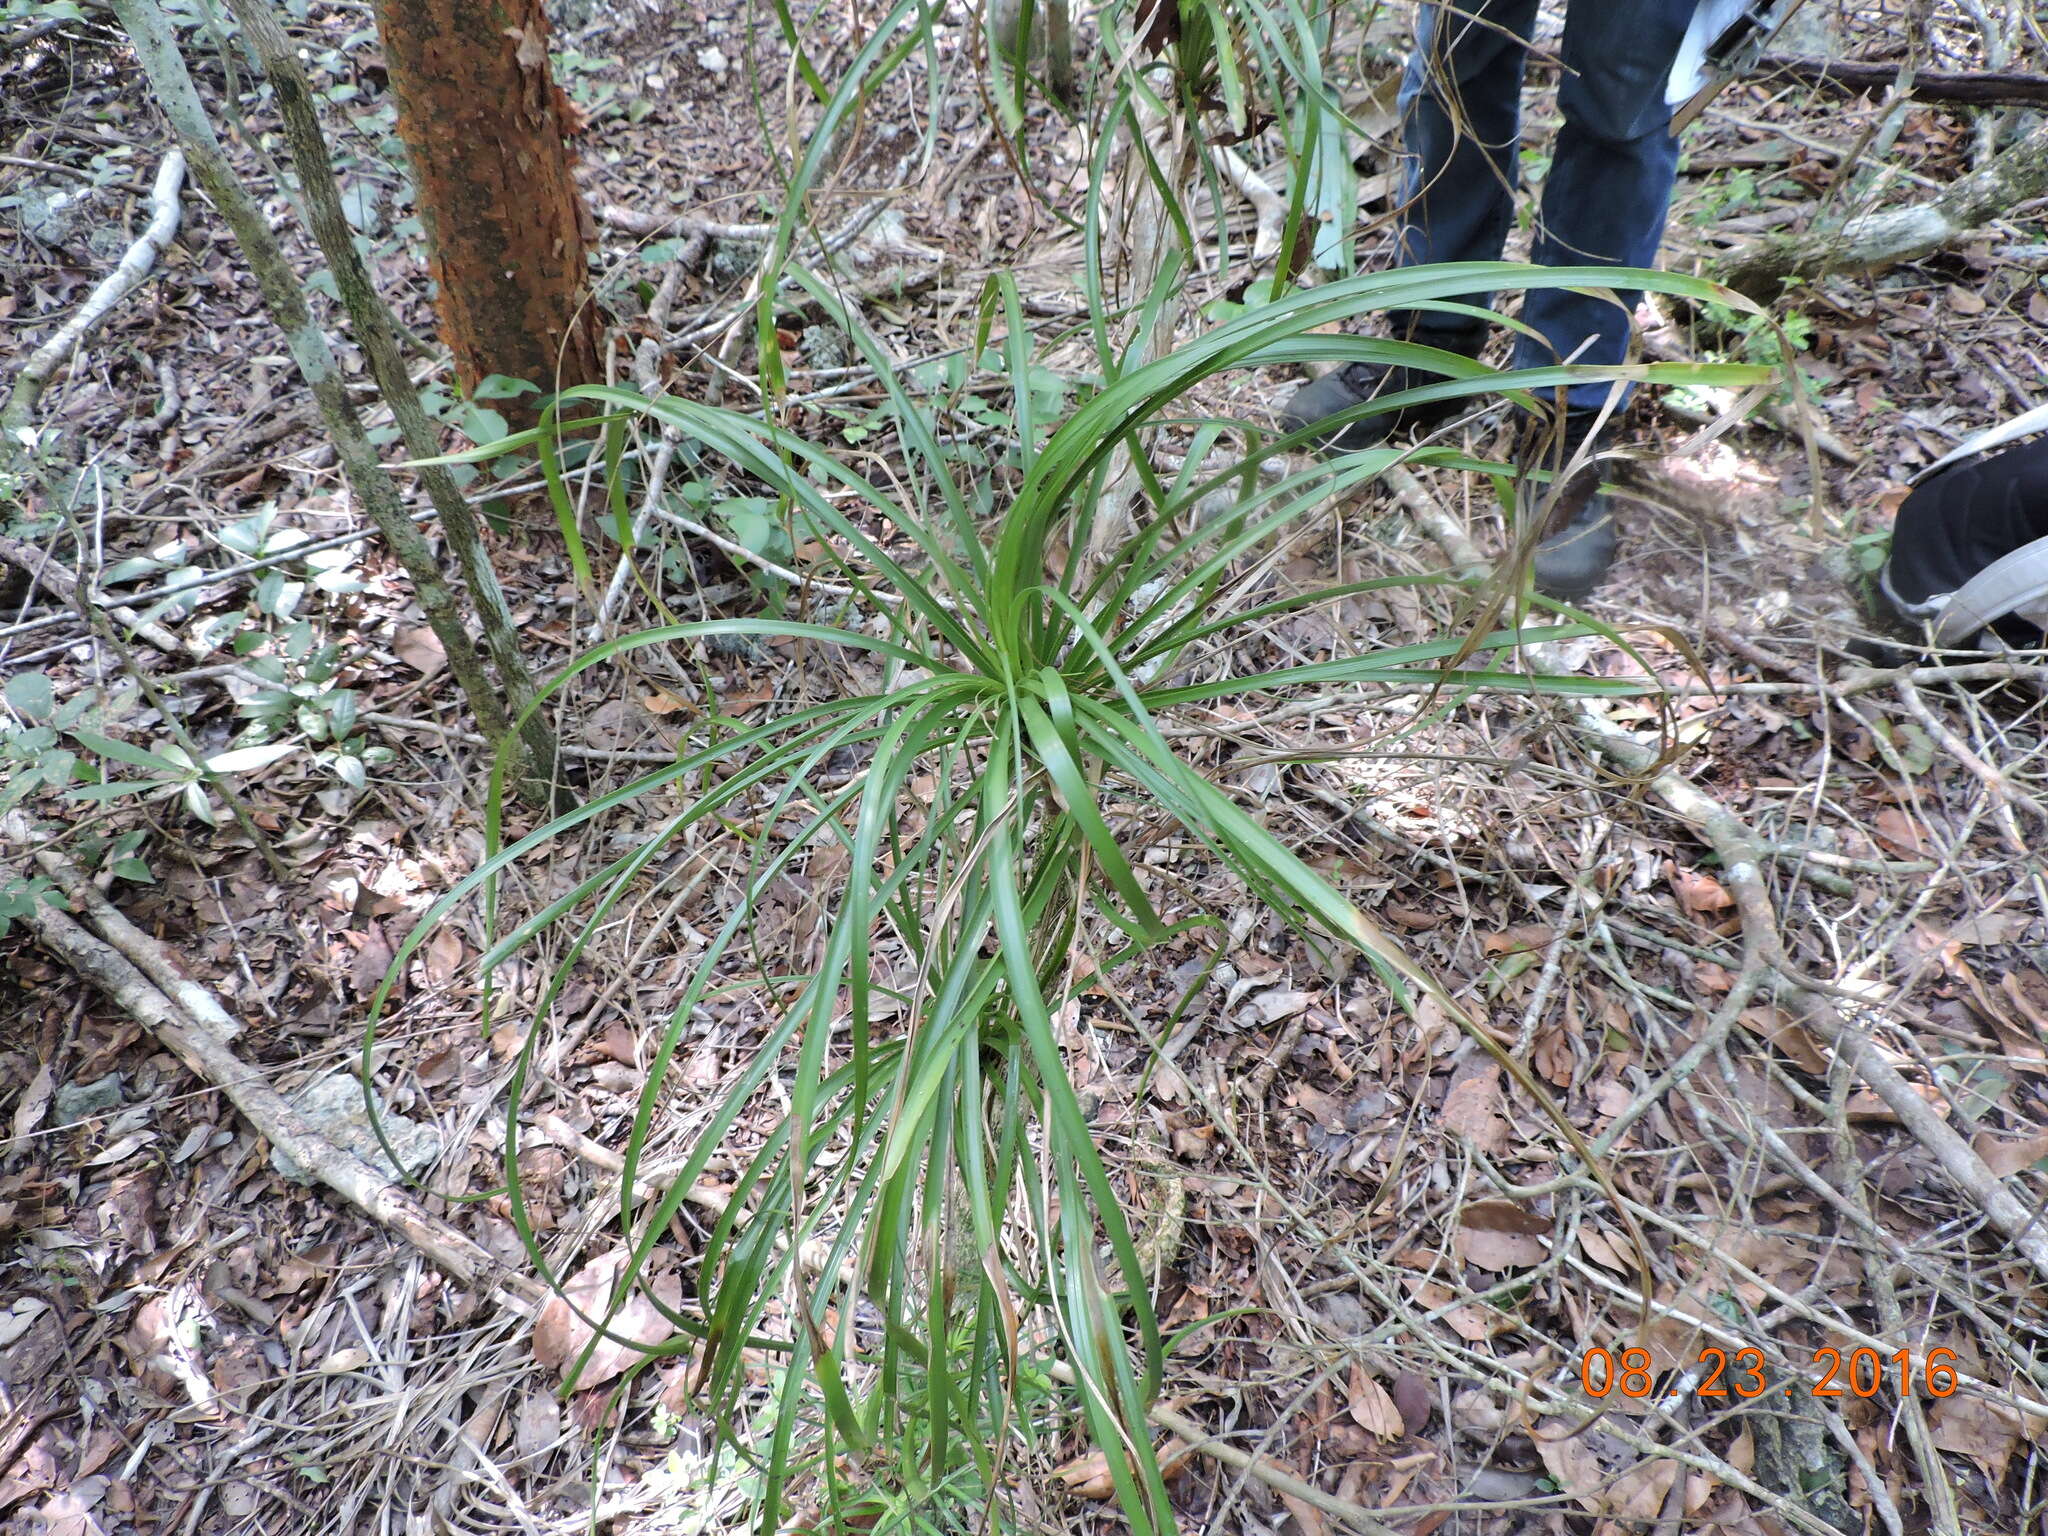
1087 1477
1473 1109
1698 891
421 650
538 1423
1170 1085
373 958
1175 1457
1435 1034
1709 977
1280 1003
164 1343
2006 1156
1326 1109
1375 115
616 725
1571 1464
1900 832
1614 1019
1638 1494
1497 1251
677 1389
70 1513
1307 1518
618 1043
1965 302
1865 1105
1742 1453
1773 1024
1607 1250
2022 1027
34 1102
532 52
740 700
1985 1432
1372 1408
1503 1216
443 955
662 702
1524 936
1414 919
560 1336
297 1270
2028 990
1475 1325
1411 1395
439 1068
1553 1057
1472 1324
1988 928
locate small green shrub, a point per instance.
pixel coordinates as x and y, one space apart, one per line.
923 1143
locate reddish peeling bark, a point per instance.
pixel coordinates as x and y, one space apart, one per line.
483 124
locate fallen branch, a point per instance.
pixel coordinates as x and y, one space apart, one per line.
1268 205
78 173
45 568
153 959
1871 241
1966 88
14 42
127 276
653 226
189 1031
1741 855
1866 679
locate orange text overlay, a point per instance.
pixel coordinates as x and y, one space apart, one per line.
1745 1373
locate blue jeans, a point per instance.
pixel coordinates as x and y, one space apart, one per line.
1611 174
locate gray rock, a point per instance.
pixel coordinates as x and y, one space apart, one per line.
74 1101
49 215
733 261
334 1107
826 346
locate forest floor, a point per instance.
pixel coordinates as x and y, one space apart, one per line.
191 1341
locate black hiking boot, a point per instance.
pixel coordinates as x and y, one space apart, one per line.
1573 558
1354 384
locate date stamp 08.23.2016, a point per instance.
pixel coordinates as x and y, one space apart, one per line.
1744 1373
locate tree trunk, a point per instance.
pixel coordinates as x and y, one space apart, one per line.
1871 241
377 335
156 50
483 124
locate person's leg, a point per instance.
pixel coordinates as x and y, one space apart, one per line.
1460 108
1611 175
1461 111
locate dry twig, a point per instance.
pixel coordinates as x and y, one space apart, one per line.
126 277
